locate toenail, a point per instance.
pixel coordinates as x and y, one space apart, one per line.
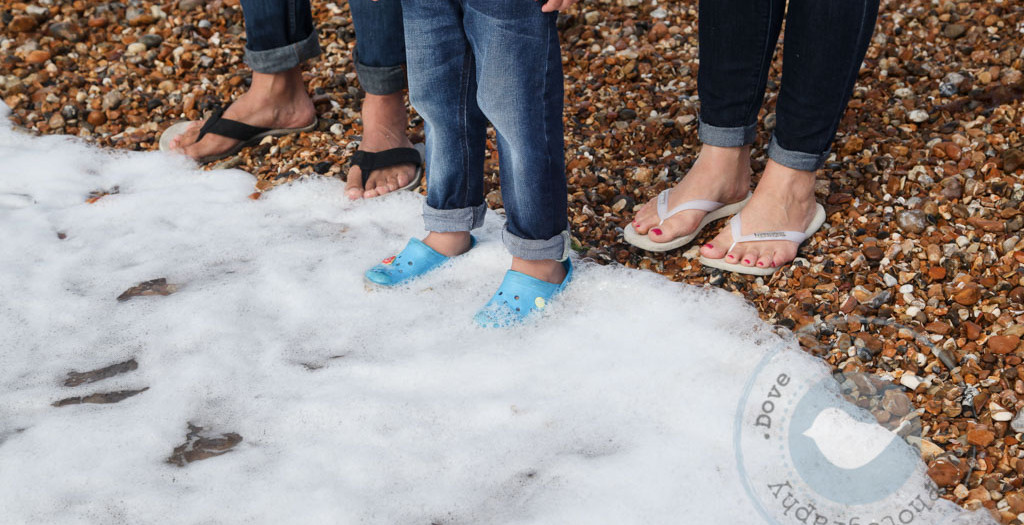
730 256
709 245
656 231
746 261
760 264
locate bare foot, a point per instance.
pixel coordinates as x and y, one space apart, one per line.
449 244
277 100
719 174
783 200
548 270
385 119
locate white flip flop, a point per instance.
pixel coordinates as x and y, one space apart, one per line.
715 211
737 229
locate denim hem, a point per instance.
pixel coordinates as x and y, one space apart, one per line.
379 80
457 220
796 160
726 137
283 58
557 247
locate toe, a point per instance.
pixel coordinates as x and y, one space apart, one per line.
354 183
717 247
645 219
765 259
784 254
675 227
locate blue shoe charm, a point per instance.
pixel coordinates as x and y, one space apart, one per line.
414 260
518 296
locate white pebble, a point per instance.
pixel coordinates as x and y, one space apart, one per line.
910 381
918 115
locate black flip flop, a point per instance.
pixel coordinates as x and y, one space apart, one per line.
370 161
218 125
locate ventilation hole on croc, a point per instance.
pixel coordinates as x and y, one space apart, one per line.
410 263
516 298
517 309
501 293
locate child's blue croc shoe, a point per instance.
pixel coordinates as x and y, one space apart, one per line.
519 296
414 260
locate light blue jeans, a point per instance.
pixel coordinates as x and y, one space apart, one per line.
474 61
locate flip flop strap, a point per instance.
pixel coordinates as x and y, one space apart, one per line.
698 204
777 235
369 161
232 129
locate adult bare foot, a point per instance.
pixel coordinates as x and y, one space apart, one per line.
783 200
385 119
277 100
718 174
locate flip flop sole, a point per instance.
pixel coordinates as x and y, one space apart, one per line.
816 222
178 128
415 183
644 242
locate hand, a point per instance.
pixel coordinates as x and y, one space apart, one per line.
556 5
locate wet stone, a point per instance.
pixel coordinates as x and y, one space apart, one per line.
200 445
92 376
153 287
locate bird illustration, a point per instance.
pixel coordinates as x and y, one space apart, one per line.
846 442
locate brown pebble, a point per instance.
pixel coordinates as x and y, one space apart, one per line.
937 273
22 24
873 253
1002 344
981 437
37 57
944 472
98 21
969 295
972 330
96 118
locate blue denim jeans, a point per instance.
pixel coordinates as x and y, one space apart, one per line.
474 61
280 35
824 46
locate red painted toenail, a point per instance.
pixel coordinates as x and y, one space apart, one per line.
760 264
656 231
746 261
730 257
709 245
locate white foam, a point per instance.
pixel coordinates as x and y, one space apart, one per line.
354 406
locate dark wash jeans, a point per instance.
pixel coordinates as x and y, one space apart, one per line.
824 46
474 61
280 35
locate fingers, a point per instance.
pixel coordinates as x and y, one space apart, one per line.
556 5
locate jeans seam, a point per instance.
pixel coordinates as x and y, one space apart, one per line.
760 71
844 100
464 115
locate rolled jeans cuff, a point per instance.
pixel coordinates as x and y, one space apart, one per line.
379 80
726 137
283 58
556 248
457 220
796 160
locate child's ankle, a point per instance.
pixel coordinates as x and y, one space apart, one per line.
548 270
449 244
